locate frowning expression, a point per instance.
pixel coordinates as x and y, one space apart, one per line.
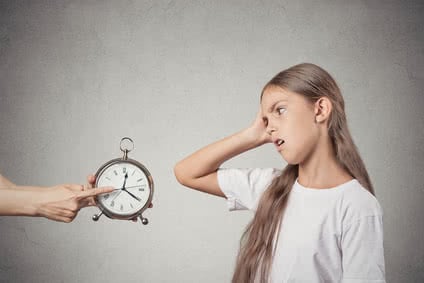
290 120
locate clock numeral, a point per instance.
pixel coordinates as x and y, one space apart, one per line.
124 170
108 178
112 204
106 196
122 207
141 189
116 173
133 173
139 180
131 205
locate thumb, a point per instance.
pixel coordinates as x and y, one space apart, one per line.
91 179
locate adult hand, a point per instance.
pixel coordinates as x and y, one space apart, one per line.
63 202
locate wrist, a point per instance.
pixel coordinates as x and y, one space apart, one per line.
18 202
32 206
36 199
251 138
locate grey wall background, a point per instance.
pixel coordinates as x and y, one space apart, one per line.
76 76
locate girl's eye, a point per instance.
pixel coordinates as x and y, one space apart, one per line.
281 110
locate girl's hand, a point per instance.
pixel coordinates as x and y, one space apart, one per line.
63 202
256 132
200 169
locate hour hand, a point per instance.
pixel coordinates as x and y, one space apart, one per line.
125 181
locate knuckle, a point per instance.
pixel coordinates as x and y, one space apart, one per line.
74 207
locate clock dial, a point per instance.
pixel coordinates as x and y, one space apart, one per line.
132 188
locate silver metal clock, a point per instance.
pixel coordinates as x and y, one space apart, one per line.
133 185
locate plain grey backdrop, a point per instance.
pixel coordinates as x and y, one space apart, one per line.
77 76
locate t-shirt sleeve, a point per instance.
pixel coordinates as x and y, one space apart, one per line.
244 187
362 251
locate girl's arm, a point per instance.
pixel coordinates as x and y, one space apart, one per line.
199 170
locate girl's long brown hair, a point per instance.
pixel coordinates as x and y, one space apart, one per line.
258 241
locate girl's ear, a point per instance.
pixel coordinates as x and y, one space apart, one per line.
323 107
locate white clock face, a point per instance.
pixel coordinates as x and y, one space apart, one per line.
132 186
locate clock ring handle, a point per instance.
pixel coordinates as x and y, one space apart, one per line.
126 145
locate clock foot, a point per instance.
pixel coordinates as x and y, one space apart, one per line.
145 221
97 216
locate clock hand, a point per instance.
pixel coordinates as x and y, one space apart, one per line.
123 189
137 198
118 189
125 181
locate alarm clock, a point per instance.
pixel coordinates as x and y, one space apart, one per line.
133 185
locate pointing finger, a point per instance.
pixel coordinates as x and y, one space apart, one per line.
95 192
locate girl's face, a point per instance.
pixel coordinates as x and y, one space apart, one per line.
290 120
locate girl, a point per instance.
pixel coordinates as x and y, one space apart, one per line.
317 220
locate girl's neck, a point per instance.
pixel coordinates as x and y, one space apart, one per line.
321 169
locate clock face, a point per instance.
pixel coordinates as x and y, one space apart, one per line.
132 188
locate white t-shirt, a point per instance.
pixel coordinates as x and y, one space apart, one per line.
326 235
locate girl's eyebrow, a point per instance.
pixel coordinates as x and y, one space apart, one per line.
275 103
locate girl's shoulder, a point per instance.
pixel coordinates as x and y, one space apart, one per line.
243 187
357 203
250 174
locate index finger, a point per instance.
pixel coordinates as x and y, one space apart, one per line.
95 192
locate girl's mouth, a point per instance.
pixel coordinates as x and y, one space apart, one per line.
278 142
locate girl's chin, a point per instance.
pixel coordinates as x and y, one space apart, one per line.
289 159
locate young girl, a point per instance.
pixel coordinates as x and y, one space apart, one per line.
317 220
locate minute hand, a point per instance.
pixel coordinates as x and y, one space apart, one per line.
119 189
131 194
